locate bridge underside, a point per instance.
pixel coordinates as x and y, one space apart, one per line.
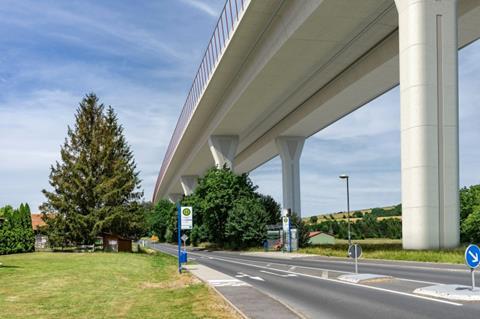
294 67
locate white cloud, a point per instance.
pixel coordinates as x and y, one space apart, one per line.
203 6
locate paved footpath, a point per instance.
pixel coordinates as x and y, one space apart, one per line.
247 300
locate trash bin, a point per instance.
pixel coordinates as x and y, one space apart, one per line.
183 256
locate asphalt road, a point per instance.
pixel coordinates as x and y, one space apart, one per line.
310 285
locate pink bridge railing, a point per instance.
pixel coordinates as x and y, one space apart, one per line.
231 14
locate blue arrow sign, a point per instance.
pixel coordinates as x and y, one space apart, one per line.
472 256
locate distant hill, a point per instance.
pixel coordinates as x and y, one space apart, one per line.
386 212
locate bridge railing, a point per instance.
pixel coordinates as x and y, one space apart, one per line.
230 16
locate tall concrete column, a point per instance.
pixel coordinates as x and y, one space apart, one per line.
290 149
429 123
189 183
224 149
175 197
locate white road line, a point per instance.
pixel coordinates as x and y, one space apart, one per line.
346 272
320 269
390 265
348 283
272 273
228 283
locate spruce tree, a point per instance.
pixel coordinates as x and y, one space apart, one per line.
95 185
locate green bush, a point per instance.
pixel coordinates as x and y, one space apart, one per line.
246 223
16 233
470 214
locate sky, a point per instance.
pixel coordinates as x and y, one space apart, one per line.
141 59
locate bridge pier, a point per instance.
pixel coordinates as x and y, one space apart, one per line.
175 197
429 123
290 149
189 183
224 149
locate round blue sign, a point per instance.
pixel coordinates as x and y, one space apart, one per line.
472 256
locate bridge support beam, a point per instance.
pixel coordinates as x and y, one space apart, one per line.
189 183
290 149
224 149
429 123
175 197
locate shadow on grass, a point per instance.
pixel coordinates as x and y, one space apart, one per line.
8 266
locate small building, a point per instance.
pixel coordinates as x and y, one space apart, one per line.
320 238
116 243
37 222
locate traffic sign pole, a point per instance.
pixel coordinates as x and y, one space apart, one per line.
356 260
472 259
289 236
355 251
179 230
473 279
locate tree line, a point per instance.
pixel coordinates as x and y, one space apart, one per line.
16 232
366 227
371 227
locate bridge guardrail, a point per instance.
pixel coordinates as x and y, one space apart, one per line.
230 16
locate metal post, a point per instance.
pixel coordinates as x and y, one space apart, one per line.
473 278
356 260
348 216
289 235
179 230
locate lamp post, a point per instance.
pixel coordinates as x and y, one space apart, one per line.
343 176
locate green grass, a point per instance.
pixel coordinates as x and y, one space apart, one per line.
102 285
388 249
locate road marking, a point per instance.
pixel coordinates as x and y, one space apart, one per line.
389 265
324 270
241 275
227 283
348 283
272 273
335 280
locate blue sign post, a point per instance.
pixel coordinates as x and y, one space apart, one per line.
179 231
472 259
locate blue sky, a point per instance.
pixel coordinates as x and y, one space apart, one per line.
141 59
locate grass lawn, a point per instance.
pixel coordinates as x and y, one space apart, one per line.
102 285
388 249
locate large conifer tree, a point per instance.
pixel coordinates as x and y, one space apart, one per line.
95 185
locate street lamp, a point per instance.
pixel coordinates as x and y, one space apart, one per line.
343 176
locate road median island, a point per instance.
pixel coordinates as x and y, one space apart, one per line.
450 292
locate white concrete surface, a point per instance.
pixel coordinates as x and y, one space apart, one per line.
290 149
429 123
223 148
361 278
189 183
451 292
214 277
175 197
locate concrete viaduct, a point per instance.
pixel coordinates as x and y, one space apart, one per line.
278 71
